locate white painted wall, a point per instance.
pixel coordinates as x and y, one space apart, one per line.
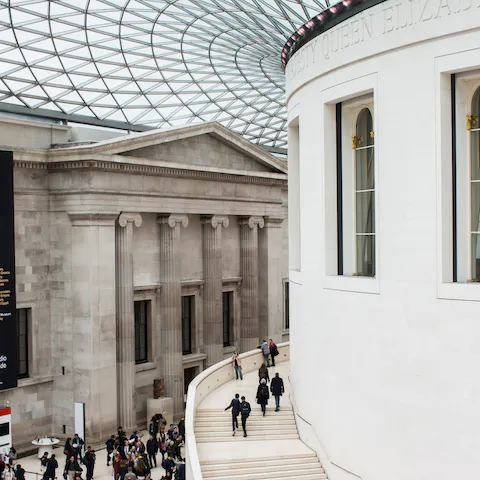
385 369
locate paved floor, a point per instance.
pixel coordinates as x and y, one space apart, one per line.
32 465
246 448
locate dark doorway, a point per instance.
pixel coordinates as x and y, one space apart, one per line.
188 375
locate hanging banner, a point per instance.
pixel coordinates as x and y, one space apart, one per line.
8 312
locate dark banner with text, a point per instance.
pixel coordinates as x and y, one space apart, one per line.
8 312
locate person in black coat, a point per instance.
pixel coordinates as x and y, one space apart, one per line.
52 465
263 395
20 472
277 389
235 406
152 447
72 468
110 443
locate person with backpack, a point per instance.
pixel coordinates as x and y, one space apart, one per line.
110 443
168 464
277 389
263 374
20 472
263 395
273 350
235 406
52 466
245 410
43 462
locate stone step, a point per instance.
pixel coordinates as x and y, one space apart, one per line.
267 470
255 413
258 426
291 474
276 462
253 431
239 437
263 420
221 410
241 461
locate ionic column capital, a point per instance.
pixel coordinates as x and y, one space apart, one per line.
252 221
128 217
172 220
215 220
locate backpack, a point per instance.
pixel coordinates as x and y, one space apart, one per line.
245 410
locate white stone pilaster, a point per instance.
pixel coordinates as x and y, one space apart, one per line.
249 272
127 412
212 293
171 321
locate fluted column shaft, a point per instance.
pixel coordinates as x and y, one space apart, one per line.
171 314
212 293
127 411
249 271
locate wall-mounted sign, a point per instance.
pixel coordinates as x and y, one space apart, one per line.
8 317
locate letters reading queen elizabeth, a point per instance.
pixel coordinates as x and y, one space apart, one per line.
368 26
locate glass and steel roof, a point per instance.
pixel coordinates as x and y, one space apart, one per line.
152 63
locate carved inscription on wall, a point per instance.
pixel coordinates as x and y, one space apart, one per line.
371 27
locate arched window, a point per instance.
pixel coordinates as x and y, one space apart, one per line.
475 185
363 145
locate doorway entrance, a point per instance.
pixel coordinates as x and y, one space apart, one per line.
188 375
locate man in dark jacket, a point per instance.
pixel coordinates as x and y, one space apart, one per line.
181 428
277 389
89 462
20 472
235 406
245 410
152 448
110 443
52 465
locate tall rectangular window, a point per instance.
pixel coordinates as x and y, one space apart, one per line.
474 127
287 304
188 304
228 316
363 145
23 322
141 314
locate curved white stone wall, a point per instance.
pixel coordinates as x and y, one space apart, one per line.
384 370
206 383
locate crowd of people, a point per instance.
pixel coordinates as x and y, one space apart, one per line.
240 406
127 455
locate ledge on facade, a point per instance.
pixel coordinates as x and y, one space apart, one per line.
229 349
232 281
156 288
193 358
143 367
192 283
27 382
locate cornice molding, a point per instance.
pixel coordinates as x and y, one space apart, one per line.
148 170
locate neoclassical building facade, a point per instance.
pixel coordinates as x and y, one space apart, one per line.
144 256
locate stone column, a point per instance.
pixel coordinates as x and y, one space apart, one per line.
212 293
93 331
270 280
171 316
249 272
127 412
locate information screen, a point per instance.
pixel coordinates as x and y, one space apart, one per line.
8 317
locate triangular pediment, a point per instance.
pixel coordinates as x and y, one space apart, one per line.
207 144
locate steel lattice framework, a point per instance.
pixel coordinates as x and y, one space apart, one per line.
154 63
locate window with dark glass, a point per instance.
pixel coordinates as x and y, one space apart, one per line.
141 313
227 303
475 187
363 145
23 321
287 305
188 303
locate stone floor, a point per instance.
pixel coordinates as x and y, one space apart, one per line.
32 465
